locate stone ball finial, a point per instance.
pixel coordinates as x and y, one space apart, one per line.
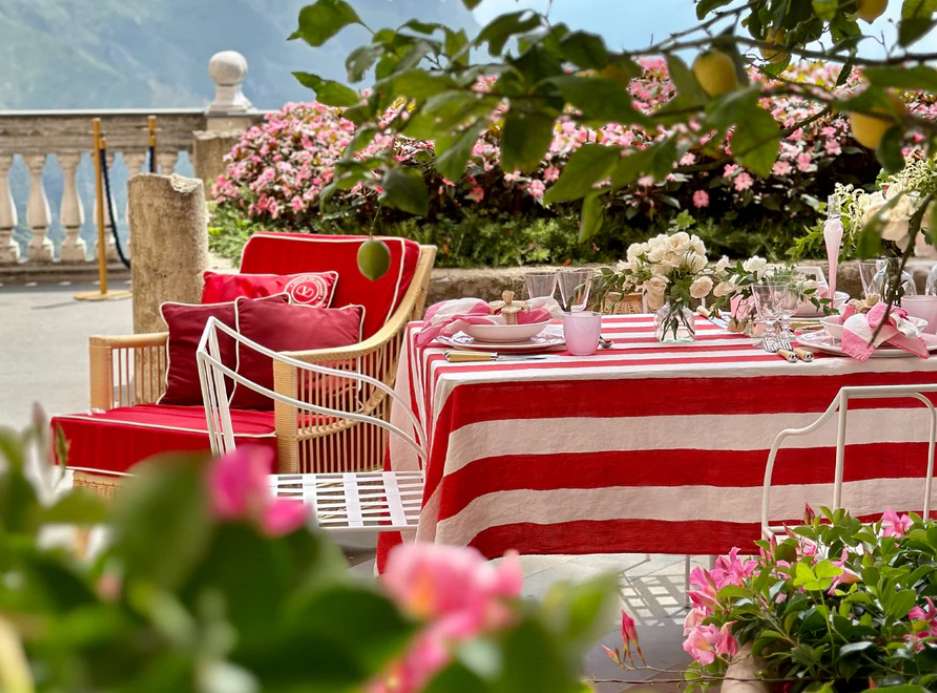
227 68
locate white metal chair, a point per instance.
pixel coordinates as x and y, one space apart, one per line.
375 501
840 405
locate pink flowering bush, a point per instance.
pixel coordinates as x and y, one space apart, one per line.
282 172
834 605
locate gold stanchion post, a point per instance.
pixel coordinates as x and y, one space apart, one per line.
151 126
102 294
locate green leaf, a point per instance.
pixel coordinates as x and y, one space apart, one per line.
452 154
588 165
456 41
419 84
497 33
630 168
471 4
586 51
888 152
601 99
405 189
825 569
803 575
921 77
704 7
592 217
525 138
916 20
756 141
685 82
903 603
826 9
79 507
322 20
360 60
663 156
849 648
329 92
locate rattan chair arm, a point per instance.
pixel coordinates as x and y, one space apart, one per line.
129 341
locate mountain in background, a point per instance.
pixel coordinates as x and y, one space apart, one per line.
60 54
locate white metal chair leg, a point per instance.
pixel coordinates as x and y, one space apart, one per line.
686 577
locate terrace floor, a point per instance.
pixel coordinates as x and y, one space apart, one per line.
44 357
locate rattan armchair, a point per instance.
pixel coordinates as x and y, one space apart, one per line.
130 370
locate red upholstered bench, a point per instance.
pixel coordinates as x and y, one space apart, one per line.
128 374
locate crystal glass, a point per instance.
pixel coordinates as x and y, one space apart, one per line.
674 323
582 331
931 287
574 289
878 278
785 298
766 303
541 283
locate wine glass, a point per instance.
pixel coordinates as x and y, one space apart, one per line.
541 283
786 301
766 297
574 289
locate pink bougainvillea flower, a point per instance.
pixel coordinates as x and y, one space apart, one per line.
694 618
238 486
929 615
809 514
700 199
894 526
704 597
731 570
705 643
726 645
629 636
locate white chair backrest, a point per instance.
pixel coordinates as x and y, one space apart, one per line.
841 405
212 374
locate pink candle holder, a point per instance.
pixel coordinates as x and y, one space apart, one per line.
582 331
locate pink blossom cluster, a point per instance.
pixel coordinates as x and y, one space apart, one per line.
279 169
456 594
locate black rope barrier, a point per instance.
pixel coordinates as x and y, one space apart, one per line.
108 200
152 152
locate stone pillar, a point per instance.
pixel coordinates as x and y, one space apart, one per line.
38 214
169 226
72 214
208 152
134 162
9 248
167 162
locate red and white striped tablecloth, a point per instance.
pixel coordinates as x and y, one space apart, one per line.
647 447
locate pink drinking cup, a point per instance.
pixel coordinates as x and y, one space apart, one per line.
924 307
582 331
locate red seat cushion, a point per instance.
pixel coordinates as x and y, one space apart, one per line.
117 439
293 253
310 288
282 327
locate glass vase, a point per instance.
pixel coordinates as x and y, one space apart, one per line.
674 323
885 282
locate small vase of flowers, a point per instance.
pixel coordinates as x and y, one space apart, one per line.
670 270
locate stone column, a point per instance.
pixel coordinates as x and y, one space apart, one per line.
38 214
167 162
208 152
72 214
134 162
169 226
9 248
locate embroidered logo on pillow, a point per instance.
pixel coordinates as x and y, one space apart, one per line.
309 290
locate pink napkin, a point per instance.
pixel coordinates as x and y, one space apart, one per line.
898 331
450 317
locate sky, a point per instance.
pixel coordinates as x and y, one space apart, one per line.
635 23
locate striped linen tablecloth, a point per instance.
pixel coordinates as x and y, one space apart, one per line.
647 447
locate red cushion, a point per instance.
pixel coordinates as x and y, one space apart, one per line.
117 439
311 288
186 324
283 327
292 253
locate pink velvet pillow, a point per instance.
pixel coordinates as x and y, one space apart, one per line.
286 328
314 289
186 324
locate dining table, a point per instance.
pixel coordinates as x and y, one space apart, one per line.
646 447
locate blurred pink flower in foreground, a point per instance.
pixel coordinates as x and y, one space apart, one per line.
239 491
705 643
459 595
894 526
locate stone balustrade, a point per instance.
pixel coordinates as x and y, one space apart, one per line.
38 136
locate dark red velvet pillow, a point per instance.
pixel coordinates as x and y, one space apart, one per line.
308 288
186 323
286 328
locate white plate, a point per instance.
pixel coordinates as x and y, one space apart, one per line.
807 310
505 333
833 324
821 341
544 341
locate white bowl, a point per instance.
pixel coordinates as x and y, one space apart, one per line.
505 333
806 309
833 324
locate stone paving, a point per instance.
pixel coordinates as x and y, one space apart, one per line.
44 357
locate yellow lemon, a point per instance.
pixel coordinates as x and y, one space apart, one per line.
868 130
373 259
870 10
715 72
774 55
